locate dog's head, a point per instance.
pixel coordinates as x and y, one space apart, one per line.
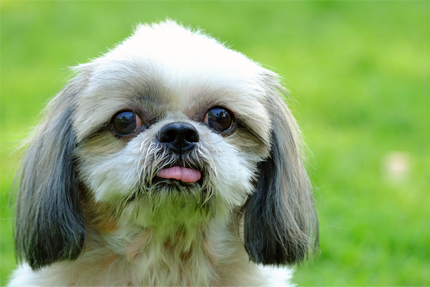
169 120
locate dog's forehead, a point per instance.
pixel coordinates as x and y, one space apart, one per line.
167 68
171 46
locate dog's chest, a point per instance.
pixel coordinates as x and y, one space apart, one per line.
179 259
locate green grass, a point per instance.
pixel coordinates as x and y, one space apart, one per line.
359 72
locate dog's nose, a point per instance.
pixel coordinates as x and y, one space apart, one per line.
179 137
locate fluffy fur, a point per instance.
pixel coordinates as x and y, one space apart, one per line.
91 210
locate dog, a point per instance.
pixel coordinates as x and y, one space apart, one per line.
171 160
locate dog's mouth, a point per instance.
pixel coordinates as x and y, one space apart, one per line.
179 176
183 174
178 180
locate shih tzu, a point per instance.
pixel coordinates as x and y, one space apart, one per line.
170 160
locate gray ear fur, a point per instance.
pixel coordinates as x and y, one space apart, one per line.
49 220
281 224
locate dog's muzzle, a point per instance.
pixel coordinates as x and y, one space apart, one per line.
180 138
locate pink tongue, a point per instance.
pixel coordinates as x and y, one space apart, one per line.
180 173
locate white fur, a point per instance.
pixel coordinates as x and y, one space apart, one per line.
163 239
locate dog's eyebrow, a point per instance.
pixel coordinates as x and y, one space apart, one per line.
250 129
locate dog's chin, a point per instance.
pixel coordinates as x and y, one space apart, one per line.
171 205
200 192
158 183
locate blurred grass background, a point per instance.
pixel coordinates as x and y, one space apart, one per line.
359 72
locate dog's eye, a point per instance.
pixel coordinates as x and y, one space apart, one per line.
219 119
126 123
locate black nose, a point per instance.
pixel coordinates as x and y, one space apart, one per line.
179 137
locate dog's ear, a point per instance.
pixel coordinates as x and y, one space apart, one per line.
281 224
49 220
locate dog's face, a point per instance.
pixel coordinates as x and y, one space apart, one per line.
149 116
168 128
